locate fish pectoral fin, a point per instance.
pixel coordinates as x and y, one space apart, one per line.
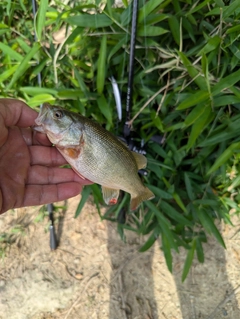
145 195
140 160
110 195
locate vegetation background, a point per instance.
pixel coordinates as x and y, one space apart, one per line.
185 89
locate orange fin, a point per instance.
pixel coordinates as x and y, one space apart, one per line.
110 195
145 195
140 160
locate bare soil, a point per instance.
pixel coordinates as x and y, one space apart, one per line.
93 274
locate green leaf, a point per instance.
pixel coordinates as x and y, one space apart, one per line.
199 126
159 192
41 17
167 252
211 45
39 99
150 31
147 9
193 99
90 20
150 241
32 90
175 28
189 260
105 108
85 194
194 114
209 225
224 157
24 65
5 75
101 70
199 250
174 214
193 72
10 52
226 83
189 186
117 47
224 100
163 224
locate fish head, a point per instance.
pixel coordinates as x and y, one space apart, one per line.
59 125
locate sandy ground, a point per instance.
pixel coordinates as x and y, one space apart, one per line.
93 274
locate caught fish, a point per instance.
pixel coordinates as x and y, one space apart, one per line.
95 154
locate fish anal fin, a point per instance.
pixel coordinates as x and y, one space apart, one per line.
110 195
145 195
140 160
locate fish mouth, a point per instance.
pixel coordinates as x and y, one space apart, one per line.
42 114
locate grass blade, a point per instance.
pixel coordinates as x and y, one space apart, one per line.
41 16
85 194
101 70
188 261
24 65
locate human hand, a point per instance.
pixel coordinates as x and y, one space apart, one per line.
29 164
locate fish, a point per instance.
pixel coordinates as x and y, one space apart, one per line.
95 153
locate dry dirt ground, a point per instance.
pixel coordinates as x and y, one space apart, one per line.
93 274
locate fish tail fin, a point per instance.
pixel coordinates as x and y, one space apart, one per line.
146 194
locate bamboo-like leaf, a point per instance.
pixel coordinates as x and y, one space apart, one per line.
147 9
199 250
151 31
159 192
174 214
24 65
198 126
39 99
209 225
85 194
150 241
32 90
101 70
189 186
175 28
6 74
105 108
41 17
163 224
167 252
90 20
10 52
194 99
194 114
226 83
189 260
193 72
211 45
224 157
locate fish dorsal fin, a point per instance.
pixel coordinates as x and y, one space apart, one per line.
110 195
140 160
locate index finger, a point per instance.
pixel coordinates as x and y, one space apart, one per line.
16 113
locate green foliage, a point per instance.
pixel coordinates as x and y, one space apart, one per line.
185 88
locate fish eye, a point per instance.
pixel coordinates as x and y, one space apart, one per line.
58 115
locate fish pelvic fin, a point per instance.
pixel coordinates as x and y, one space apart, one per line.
145 195
110 195
140 160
